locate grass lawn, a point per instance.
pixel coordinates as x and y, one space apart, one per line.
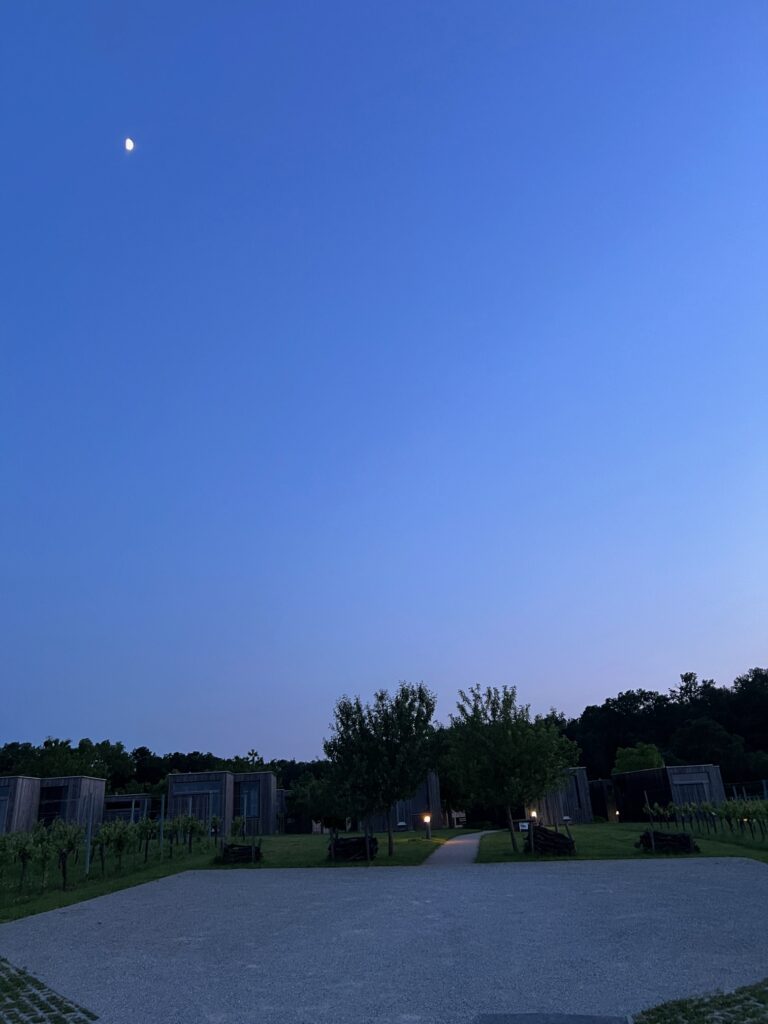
747 1005
312 851
302 851
610 842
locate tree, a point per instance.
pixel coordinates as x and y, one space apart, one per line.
401 728
318 799
506 756
351 749
635 759
703 741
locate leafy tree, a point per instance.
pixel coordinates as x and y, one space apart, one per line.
634 759
380 752
319 799
508 757
352 751
401 728
704 740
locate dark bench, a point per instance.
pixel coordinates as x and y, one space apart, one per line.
546 841
667 842
235 853
352 848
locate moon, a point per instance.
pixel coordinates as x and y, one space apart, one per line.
128 145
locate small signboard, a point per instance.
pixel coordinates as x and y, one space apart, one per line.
522 826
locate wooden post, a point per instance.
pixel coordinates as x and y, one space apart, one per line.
650 817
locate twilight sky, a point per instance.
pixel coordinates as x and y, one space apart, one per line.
415 341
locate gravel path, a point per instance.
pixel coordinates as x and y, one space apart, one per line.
403 945
456 852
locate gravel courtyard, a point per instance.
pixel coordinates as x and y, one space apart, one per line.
403 945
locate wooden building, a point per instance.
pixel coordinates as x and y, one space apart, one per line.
19 803
251 796
679 784
128 806
570 801
75 798
409 814
603 800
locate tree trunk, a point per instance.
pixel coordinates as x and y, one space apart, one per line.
367 844
390 836
511 828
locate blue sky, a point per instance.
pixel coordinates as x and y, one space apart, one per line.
412 341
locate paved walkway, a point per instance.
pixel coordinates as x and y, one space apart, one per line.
404 945
456 852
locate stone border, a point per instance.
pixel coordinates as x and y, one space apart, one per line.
24 999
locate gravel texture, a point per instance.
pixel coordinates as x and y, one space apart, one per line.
406 945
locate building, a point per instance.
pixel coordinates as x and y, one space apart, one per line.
128 806
74 798
25 800
571 801
251 796
678 784
409 814
19 803
603 800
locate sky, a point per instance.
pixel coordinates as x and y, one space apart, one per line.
413 341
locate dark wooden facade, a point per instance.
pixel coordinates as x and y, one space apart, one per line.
570 801
248 795
409 814
19 803
128 806
75 798
679 784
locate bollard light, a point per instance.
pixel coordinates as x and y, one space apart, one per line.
428 825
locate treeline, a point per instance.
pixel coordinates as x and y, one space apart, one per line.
128 771
695 722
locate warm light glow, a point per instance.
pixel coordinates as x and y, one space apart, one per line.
128 145
617 814
534 814
427 818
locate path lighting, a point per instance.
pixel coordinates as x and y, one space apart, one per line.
428 825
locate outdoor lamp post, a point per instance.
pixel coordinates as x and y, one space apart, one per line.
428 825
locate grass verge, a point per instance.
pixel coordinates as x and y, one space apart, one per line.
312 851
748 1005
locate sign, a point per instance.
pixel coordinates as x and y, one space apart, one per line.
522 826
